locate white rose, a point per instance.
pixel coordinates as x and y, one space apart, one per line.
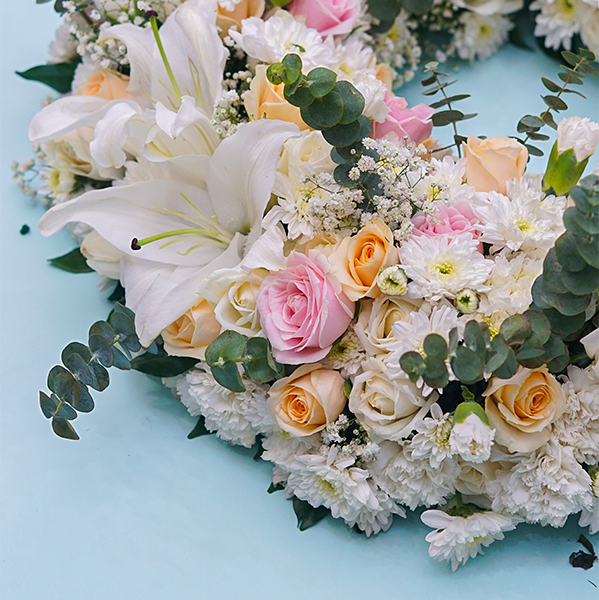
472 439
309 147
233 293
387 407
375 323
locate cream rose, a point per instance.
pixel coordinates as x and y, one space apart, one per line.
264 99
521 408
375 323
385 407
191 334
308 400
104 84
491 163
242 10
359 258
101 255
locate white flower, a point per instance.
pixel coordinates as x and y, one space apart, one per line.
392 281
590 517
472 439
588 15
374 92
557 22
441 266
411 480
64 47
281 447
269 41
490 7
578 427
353 56
325 479
224 411
432 440
543 487
480 36
577 133
524 220
457 539
347 354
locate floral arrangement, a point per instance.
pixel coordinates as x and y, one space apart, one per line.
392 323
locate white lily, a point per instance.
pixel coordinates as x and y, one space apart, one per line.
187 227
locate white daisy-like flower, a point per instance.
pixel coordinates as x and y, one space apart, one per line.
472 439
557 22
353 56
578 427
410 333
524 220
225 412
544 487
269 41
441 266
347 354
411 480
57 183
510 284
334 482
281 447
374 92
457 539
451 172
480 36
431 441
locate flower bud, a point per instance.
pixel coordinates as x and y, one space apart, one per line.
467 301
393 281
576 141
471 437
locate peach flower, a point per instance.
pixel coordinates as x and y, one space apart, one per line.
104 84
243 10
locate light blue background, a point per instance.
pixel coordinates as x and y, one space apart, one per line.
135 510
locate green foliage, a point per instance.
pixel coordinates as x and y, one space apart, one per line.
306 514
465 409
522 339
449 115
73 262
574 74
58 76
230 349
199 429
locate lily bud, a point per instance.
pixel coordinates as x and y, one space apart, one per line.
576 142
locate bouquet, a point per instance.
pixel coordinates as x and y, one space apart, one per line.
392 323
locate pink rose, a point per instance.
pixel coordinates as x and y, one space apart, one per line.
303 310
414 122
453 218
329 17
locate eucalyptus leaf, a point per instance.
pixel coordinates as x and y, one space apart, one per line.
85 403
257 366
301 96
102 349
321 81
562 324
515 329
540 324
447 117
474 340
76 348
508 368
64 385
326 111
76 365
63 428
227 374
163 365
568 254
588 248
100 377
435 372
342 135
435 345
498 354
583 282
353 102
48 404
467 366
102 328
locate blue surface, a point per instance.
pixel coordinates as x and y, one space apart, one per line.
135 510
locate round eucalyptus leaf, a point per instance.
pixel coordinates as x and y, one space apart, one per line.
122 324
515 329
120 360
563 325
300 97
508 368
435 372
559 364
413 364
274 73
352 101
102 350
66 411
228 376
583 282
75 348
537 288
326 111
474 340
531 348
64 429
365 131
589 249
64 385
342 135
292 61
498 354
351 152
435 345
76 365
48 404
228 346
321 81
101 377
103 329
569 304
467 366
341 175
86 402
337 158
540 324
567 253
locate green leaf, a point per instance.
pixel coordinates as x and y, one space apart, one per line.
73 262
199 429
353 101
447 117
343 135
531 348
100 378
58 76
341 175
102 350
549 120
257 366
533 150
306 514
583 282
563 325
64 429
64 385
76 348
589 249
570 57
229 345
163 365
76 365
570 77
228 376
454 338
448 100
474 340
417 7
530 122
508 368
437 88
567 253
588 70
272 488
555 103
86 402
413 364
554 347
321 81
435 345
467 366
435 372
559 364
120 360
550 85
428 81
103 329
540 324
498 355
124 328
515 329
465 409
301 96
326 111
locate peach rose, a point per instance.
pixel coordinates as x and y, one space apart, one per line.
242 10
192 333
104 84
491 163
359 258
264 99
308 400
522 408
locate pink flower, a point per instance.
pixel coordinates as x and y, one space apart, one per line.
329 17
414 122
453 218
303 310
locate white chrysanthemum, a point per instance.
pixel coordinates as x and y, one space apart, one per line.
347 354
451 172
269 41
524 220
578 427
588 16
334 482
225 412
480 36
431 441
510 284
557 22
353 56
64 47
410 333
411 480
374 91
472 439
580 134
457 539
281 447
57 183
441 266
544 487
